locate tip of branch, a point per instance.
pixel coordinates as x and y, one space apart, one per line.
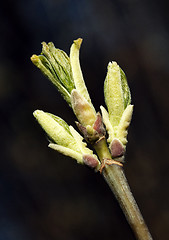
78 42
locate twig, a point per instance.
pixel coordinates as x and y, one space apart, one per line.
115 177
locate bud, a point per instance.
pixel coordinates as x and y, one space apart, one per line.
82 109
66 139
118 117
116 148
117 93
90 124
91 161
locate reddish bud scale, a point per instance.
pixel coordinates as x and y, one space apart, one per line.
98 125
116 148
90 161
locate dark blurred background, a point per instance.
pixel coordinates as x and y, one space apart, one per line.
46 196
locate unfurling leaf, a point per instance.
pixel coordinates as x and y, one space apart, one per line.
55 64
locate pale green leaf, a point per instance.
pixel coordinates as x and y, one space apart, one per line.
68 152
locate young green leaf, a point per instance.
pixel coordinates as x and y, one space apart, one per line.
76 69
55 64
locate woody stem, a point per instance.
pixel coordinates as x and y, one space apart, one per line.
115 177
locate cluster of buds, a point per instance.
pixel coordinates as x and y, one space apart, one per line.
65 73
